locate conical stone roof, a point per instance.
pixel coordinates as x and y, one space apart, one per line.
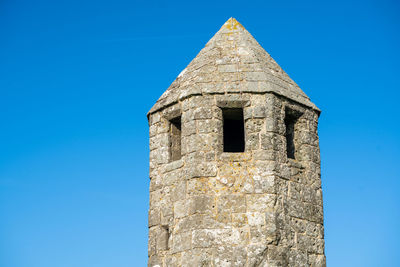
232 62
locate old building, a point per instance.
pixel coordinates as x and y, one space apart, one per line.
234 163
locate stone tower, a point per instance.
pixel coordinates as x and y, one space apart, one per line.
234 163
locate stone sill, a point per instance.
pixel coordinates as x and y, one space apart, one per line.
173 165
234 156
294 163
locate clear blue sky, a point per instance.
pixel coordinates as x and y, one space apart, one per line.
78 77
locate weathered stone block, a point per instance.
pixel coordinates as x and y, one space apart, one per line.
254 125
181 208
257 255
315 230
298 225
316 260
296 209
249 86
201 204
151 248
197 257
203 169
155 261
160 155
239 219
252 141
239 256
178 191
198 186
247 113
278 255
310 244
154 217
205 238
189 128
269 141
259 112
265 155
228 68
264 184
181 242
155 183
255 76
198 221
159 239
203 113
298 258
256 218
209 126
260 203
231 203
172 177
313 213
173 260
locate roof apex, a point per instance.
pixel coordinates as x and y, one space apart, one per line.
232 62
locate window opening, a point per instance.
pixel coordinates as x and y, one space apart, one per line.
175 139
233 130
291 118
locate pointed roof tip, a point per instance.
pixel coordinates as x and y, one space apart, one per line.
231 19
232 24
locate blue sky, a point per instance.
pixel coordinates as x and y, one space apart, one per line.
78 77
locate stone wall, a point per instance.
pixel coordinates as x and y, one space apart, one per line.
256 208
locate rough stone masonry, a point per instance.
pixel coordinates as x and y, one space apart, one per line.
234 163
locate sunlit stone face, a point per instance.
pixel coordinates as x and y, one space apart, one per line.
256 201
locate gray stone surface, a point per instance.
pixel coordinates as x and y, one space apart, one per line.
255 208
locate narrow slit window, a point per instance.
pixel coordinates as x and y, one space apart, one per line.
233 130
291 118
175 139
